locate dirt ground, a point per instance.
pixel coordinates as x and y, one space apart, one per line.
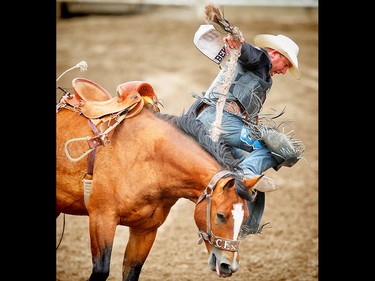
156 45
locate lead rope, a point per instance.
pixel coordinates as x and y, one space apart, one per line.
214 15
230 68
62 233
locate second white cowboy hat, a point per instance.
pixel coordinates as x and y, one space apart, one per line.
284 45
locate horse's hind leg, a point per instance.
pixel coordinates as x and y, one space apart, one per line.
137 250
102 233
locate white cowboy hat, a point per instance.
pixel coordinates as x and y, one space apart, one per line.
210 42
282 44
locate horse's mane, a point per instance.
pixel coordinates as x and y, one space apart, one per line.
219 150
195 128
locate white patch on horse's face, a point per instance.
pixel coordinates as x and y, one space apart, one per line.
238 214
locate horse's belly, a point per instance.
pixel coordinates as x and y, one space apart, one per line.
69 186
70 201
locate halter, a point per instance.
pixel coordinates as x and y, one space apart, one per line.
216 241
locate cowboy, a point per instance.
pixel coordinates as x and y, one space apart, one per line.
257 146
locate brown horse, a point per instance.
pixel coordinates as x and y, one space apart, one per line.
151 161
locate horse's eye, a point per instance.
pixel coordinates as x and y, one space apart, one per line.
220 217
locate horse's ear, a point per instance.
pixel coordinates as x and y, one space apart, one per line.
228 183
251 182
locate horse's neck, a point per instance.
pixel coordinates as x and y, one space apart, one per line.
191 185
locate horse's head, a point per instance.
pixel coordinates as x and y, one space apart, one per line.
219 214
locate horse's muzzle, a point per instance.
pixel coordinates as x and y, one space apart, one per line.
222 266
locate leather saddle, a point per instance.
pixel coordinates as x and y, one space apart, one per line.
104 111
93 101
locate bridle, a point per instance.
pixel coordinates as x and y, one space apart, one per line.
216 241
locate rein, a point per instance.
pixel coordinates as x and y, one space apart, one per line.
216 241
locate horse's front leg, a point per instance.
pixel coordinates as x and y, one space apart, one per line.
102 233
136 252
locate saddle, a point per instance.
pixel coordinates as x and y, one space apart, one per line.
105 112
97 104
94 101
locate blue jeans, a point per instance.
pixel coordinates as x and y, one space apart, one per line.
254 157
